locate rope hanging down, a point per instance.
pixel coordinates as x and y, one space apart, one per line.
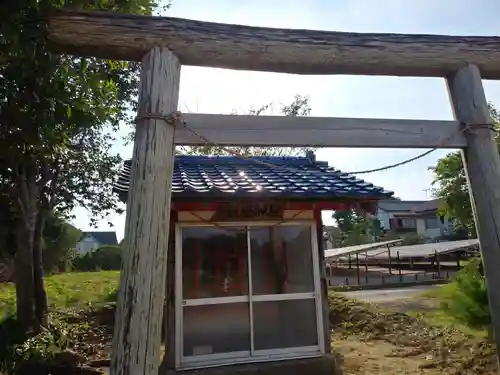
174 118
441 144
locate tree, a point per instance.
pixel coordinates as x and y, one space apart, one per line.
57 113
356 227
106 257
59 238
451 186
298 107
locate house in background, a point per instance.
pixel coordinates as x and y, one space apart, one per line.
91 241
420 217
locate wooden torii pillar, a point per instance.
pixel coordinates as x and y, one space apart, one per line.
139 313
162 44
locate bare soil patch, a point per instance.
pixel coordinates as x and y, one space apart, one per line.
376 357
371 340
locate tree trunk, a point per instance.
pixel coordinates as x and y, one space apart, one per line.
25 233
23 272
40 296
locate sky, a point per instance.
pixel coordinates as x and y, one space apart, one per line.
208 90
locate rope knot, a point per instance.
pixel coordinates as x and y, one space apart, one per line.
468 128
172 118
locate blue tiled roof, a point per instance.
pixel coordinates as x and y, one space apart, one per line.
266 176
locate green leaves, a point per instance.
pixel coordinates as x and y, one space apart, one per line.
468 299
58 112
357 228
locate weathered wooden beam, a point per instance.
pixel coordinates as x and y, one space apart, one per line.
317 131
139 314
482 165
129 37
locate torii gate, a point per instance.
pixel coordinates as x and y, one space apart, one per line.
163 44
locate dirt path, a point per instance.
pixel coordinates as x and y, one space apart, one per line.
389 294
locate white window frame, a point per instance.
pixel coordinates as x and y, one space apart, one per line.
252 355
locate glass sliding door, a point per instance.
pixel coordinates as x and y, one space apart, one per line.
283 299
247 293
215 312
284 324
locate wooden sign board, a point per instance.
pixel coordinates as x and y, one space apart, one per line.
246 211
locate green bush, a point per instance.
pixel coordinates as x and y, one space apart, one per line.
108 258
60 238
12 336
17 348
112 296
468 299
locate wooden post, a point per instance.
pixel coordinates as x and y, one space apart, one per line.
399 268
323 284
482 166
366 268
438 264
139 314
357 269
390 260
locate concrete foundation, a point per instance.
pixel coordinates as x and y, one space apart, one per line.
326 365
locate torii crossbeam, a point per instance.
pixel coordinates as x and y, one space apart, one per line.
164 44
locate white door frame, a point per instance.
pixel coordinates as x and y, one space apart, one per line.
252 355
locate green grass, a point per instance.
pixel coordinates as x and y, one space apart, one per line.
444 292
442 318
85 289
68 290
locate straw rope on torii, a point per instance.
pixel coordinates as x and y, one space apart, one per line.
163 44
